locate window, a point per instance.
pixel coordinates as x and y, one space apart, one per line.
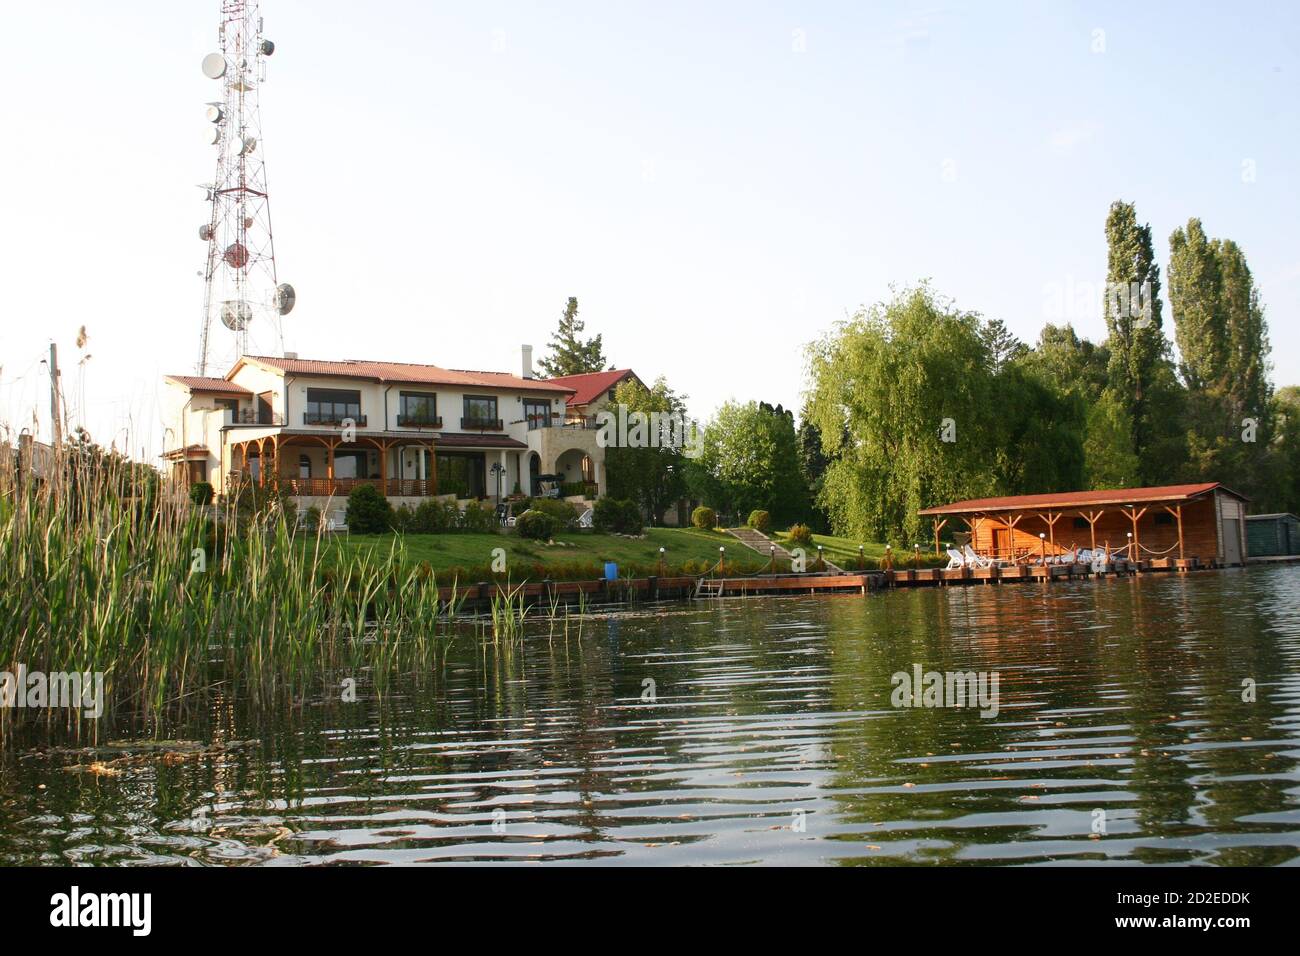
418 408
537 412
1080 523
480 412
304 466
464 475
1164 517
330 406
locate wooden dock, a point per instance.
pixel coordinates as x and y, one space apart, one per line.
677 587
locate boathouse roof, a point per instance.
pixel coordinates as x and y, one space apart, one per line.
1082 499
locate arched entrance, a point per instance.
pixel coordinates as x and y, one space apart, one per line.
534 468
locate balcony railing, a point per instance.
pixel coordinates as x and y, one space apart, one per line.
419 421
554 421
409 487
481 424
251 416
319 418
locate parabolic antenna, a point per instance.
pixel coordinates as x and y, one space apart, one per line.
213 113
213 136
236 314
285 298
236 255
267 47
205 232
214 66
249 144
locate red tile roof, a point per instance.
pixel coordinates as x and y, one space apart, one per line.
402 372
204 383
587 388
1079 499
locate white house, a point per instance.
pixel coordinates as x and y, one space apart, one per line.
412 431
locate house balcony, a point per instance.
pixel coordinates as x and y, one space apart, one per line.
419 421
481 425
342 487
316 418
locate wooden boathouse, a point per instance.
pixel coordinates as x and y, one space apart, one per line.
1170 526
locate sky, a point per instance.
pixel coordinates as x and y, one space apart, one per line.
717 183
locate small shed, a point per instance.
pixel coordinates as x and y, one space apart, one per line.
1274 535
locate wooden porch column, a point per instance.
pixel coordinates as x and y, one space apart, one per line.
938 526
261 462
1177 512
1050 520
1011 533
1092 517
1134 515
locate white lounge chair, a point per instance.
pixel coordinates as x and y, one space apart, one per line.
955 559
585 519
973 558
339 523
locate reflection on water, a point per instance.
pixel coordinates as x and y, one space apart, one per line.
768 738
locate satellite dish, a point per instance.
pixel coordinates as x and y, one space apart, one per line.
236 314
212 136
250 144
205 232
267 47
214 113
214 66
236 255
285 298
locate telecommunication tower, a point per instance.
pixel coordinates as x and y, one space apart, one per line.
240 288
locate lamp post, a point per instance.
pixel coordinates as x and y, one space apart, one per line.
1130 544
821 564
1042 548
498 470
861 562
722 557
771 555
661 560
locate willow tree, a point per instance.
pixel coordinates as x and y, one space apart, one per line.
902 396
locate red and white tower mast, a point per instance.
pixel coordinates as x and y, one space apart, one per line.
241 291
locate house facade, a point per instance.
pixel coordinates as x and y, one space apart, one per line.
321 428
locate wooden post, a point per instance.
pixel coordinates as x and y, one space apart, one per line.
938 526
1011 535
1133 516
1050 520
1177 512
1092 518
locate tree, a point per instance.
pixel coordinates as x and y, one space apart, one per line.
570 354
751 462
653 476
889 388
1141 375
812 468
1223 343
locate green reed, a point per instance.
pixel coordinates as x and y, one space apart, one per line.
102 569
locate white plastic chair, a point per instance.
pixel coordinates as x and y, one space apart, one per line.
585 519
955 559
972 557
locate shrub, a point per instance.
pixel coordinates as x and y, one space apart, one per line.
703 517
631 517
369 512
478 517
535 524
612 514
562 512
801 534
313 518
201 493
759 520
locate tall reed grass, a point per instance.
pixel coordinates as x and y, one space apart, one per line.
102 570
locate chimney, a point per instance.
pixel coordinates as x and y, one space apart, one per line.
527 352
291 355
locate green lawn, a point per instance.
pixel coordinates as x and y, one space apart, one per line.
474 551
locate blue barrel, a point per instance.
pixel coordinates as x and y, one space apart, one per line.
611 571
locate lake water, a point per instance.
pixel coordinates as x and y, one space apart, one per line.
1122 736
